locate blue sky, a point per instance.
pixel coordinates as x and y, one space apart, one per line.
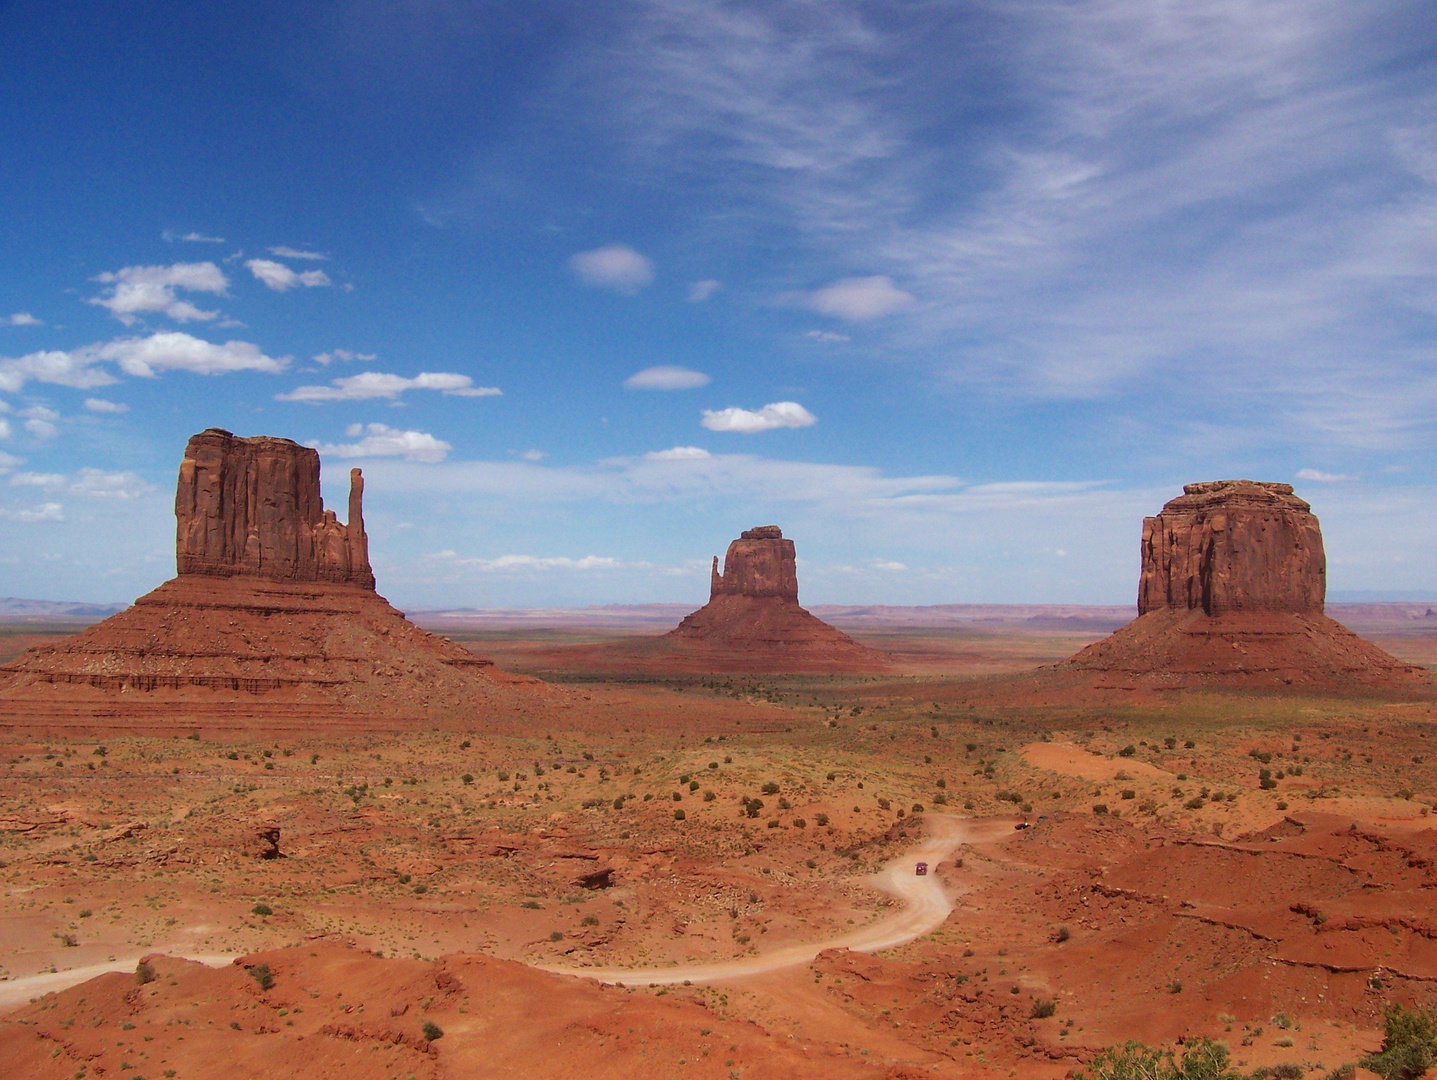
953 292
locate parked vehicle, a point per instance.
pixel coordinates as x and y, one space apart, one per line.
921 869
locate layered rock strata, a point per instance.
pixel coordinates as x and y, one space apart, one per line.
1231 595
753 621
273 618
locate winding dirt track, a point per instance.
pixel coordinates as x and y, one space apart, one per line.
926 905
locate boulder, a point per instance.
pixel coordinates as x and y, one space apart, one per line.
1232 546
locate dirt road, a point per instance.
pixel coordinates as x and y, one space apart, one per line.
926 905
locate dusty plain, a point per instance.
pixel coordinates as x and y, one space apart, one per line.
412 895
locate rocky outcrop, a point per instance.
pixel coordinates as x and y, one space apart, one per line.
273 620
1231 597
1233 546
760 563
753 621
252 507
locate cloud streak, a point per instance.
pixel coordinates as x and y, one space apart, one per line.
370 385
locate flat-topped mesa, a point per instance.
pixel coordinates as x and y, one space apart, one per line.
252 508
759 564
1232 546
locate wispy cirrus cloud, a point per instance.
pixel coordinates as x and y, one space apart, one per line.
286 252
377 384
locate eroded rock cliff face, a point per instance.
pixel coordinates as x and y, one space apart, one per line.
1232 546
252 507
753 621
1231 596
272 620
760 563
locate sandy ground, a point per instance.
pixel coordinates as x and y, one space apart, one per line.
1255 869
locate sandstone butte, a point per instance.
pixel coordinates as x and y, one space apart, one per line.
273 618
1231 595
753 621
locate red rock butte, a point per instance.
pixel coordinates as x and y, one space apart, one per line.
1231 595
753 621
273 619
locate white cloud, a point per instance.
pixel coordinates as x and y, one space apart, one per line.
859 299
379 440
9 461
144 357
74 369
295 253
45 512
99 484
699 291
192 238
100 405
30 479
521 563
827 336
136 290
533 455
1322 477
21 318
4 428
616 267
678 453
281 278
326 358
378 384
888 565
779 414
40 421
666 377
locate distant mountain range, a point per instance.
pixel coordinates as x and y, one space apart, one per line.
13 607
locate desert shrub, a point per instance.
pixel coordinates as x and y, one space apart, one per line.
917 808
773 824
503 776
556 935
1195 803
262 975
679 815
589 920
468 778
1170 742
967 804
940 799
261 909
421 889
821 818
1043 1008
1203 1059
532 905
432 1030
464 745
145 973
1286 1071
678 797
970 747
1128 751
784 804
1061 935
884 804
619 802
693 785
770 788
1100 808
1409 1044
1129 793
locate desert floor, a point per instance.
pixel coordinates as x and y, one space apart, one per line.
714 876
